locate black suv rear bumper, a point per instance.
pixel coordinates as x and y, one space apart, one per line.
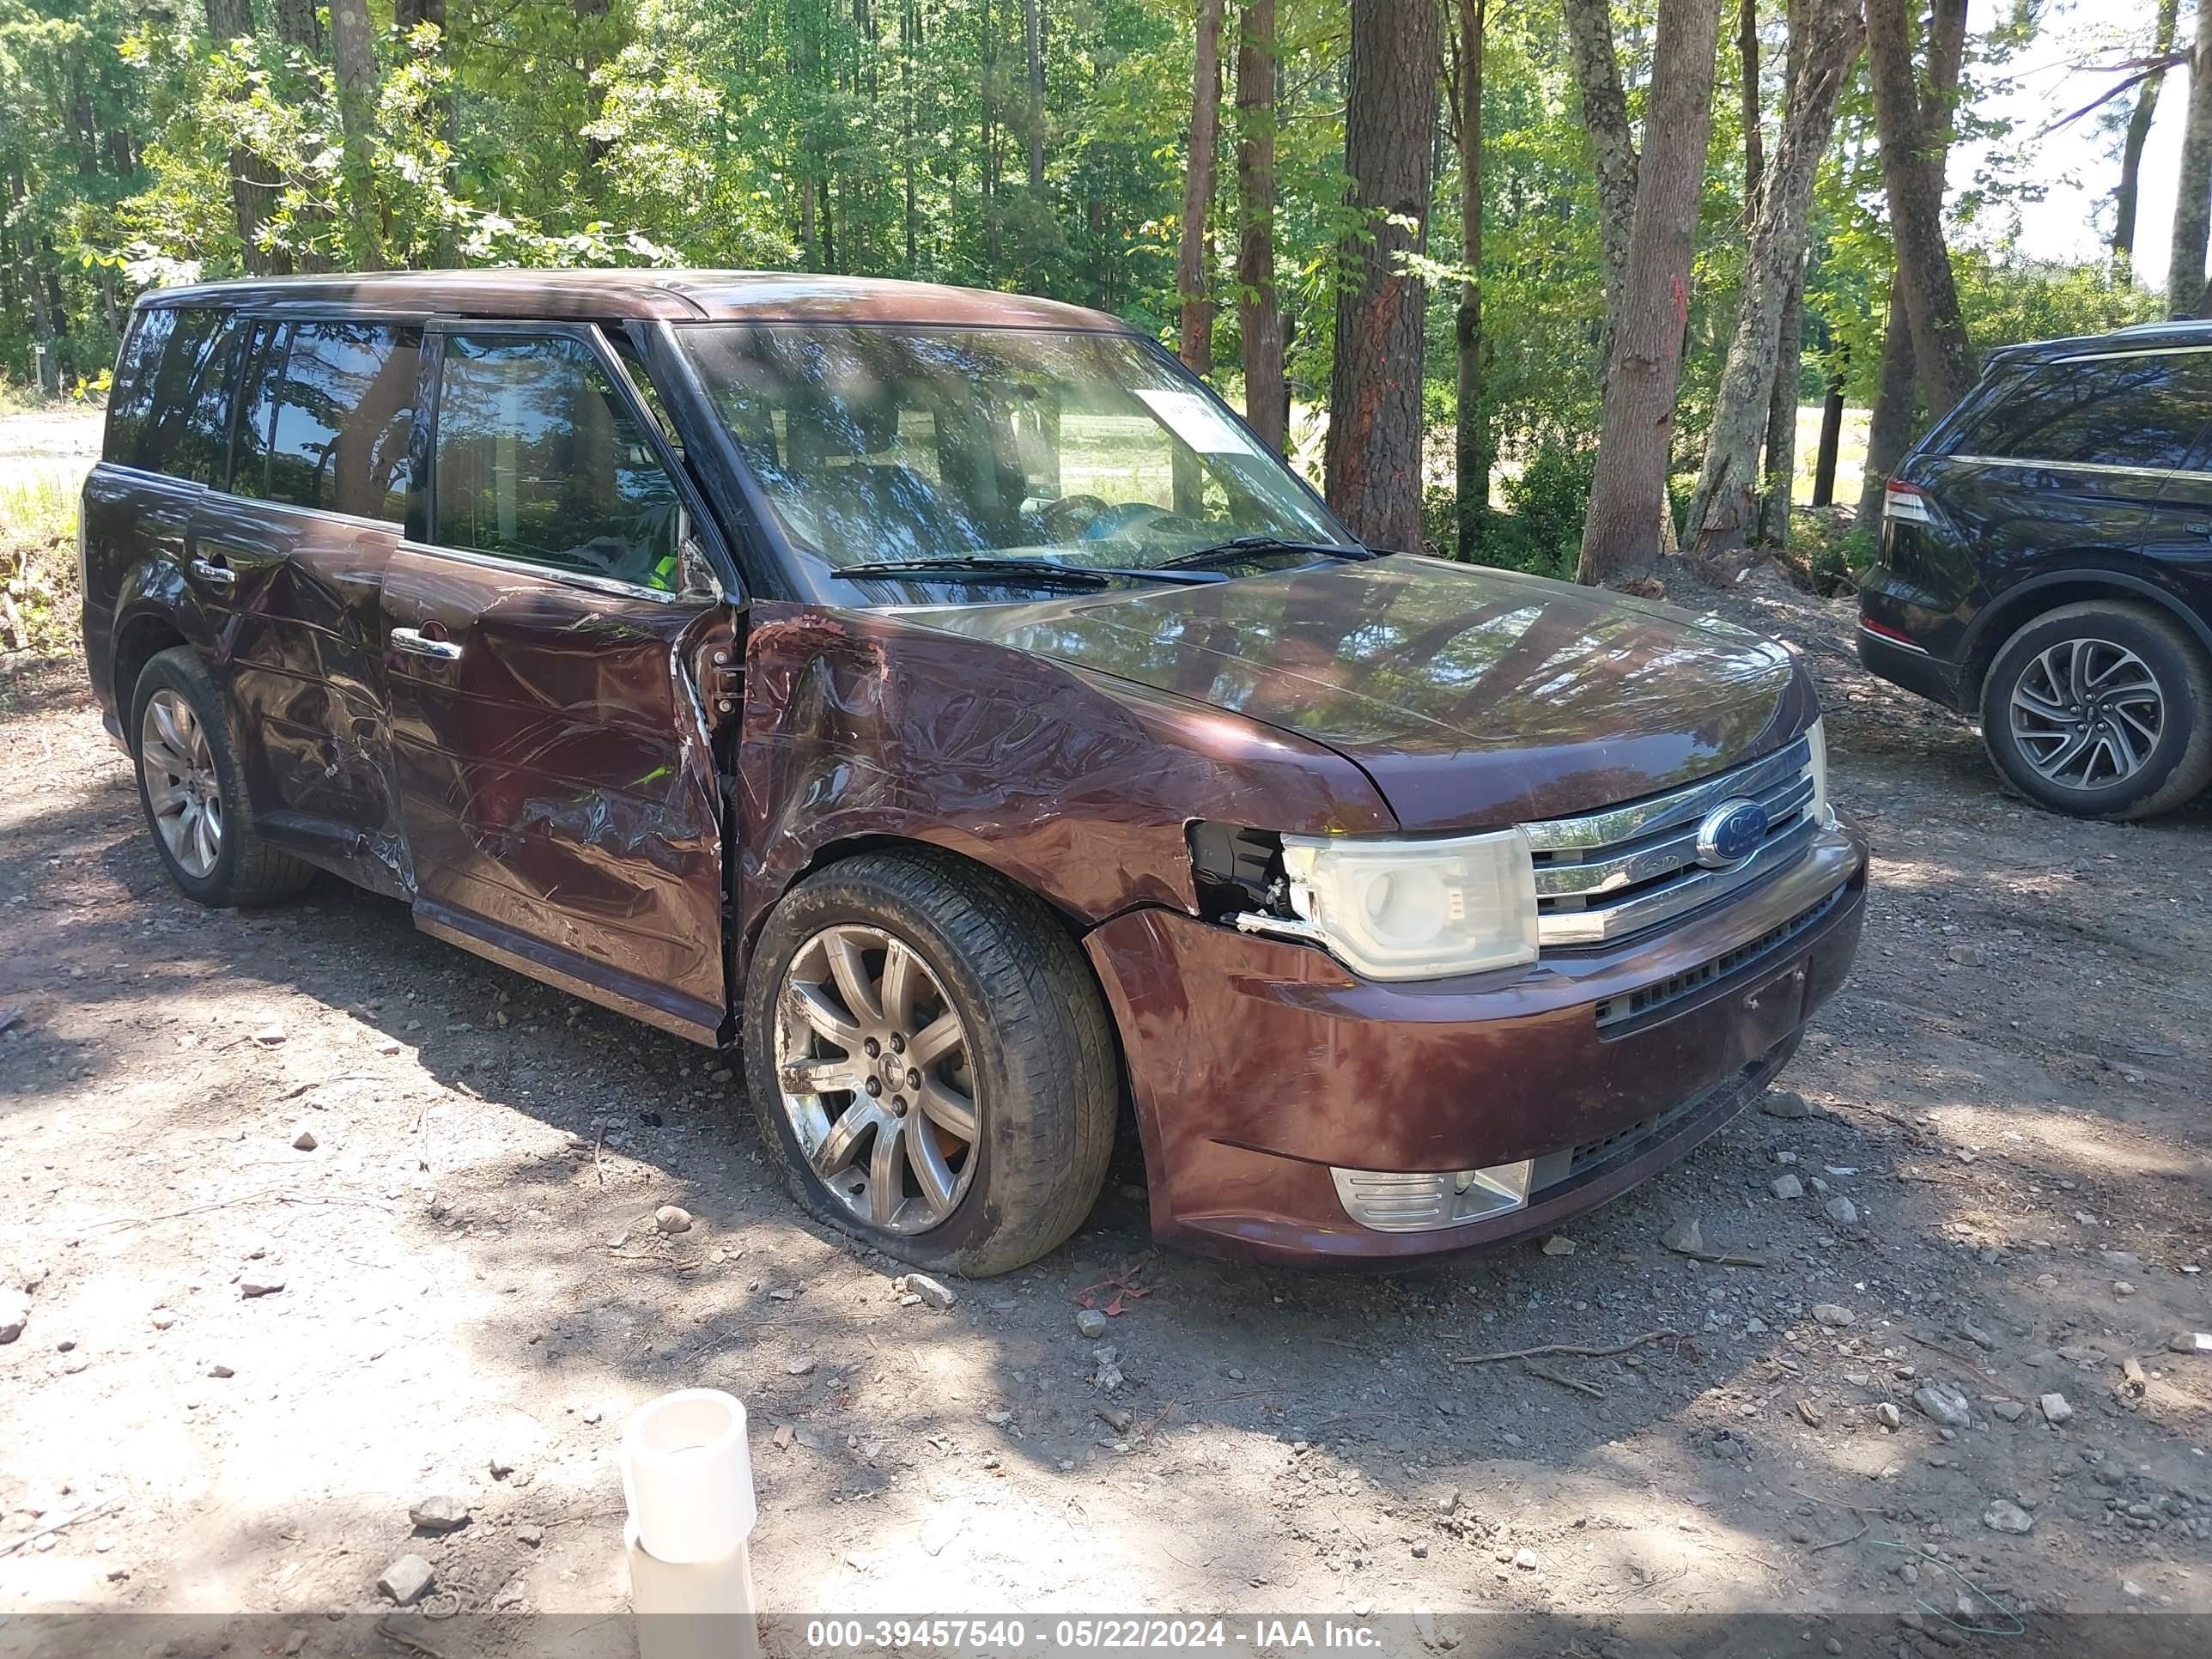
1914 669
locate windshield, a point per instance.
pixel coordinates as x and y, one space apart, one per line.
878 445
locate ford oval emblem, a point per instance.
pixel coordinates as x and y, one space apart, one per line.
1731 833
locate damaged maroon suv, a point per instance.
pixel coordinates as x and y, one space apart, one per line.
943 699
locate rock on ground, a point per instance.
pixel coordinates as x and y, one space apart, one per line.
407 1580
439 1513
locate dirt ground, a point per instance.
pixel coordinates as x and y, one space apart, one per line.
465 1292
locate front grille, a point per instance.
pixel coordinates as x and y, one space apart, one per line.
1617 1011
1606 875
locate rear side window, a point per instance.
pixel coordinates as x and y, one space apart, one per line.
537 458
171 410
2136 410
131 399
328 411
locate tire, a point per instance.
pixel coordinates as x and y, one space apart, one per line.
2149 687
186 746
1035 1061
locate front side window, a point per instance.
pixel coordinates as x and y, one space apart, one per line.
1069 446
328 412
2140 409
538 458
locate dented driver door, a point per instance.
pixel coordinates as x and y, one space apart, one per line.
548 623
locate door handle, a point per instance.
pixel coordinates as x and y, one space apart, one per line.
214 575
416 643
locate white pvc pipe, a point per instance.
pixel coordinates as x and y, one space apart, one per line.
688 1481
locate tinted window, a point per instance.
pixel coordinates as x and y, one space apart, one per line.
539 459
2112 411
173 416
256 396
343 407
131 398
201 447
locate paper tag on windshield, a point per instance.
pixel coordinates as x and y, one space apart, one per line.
1196 421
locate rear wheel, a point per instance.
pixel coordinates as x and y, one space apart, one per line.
931 1062
2101 710
194 793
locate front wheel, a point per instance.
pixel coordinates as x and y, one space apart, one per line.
931 1062
2101 710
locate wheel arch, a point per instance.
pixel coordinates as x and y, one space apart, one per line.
841 848
138 639
941 841
2018 606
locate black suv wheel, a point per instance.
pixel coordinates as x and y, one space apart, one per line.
2101 710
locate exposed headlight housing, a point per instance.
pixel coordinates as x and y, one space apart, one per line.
1816 740
1417 909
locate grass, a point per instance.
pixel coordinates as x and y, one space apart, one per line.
39 593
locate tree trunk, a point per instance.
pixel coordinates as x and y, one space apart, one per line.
1645 371
989 181
298 26
909 49
2131 146
1724 512
406 16
1889 425
1832 440
1890 430
1371 463
253 197
1747 52
1779 472
1258 308
1943 363
1613 147
1192 286
1033 48
1473 454
2192 185
1779 469
353 53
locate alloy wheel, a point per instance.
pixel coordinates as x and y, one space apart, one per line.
2086 714
182 787
873 1069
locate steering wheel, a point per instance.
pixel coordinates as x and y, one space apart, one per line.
1119 520
1070 516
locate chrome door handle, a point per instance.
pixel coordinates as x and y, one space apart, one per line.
216 575
416 644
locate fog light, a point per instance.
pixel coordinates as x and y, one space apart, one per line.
1421 1200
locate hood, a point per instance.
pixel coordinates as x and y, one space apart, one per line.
1472 696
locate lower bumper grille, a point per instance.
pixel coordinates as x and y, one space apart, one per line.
1650 999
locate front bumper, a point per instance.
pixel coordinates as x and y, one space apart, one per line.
1260 1066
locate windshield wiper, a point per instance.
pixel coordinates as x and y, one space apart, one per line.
1244 546
983 568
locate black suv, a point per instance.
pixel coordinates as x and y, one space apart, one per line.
2046 562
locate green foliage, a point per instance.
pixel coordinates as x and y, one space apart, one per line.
1541 530
891 137
38 594
1550 497
1830 550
